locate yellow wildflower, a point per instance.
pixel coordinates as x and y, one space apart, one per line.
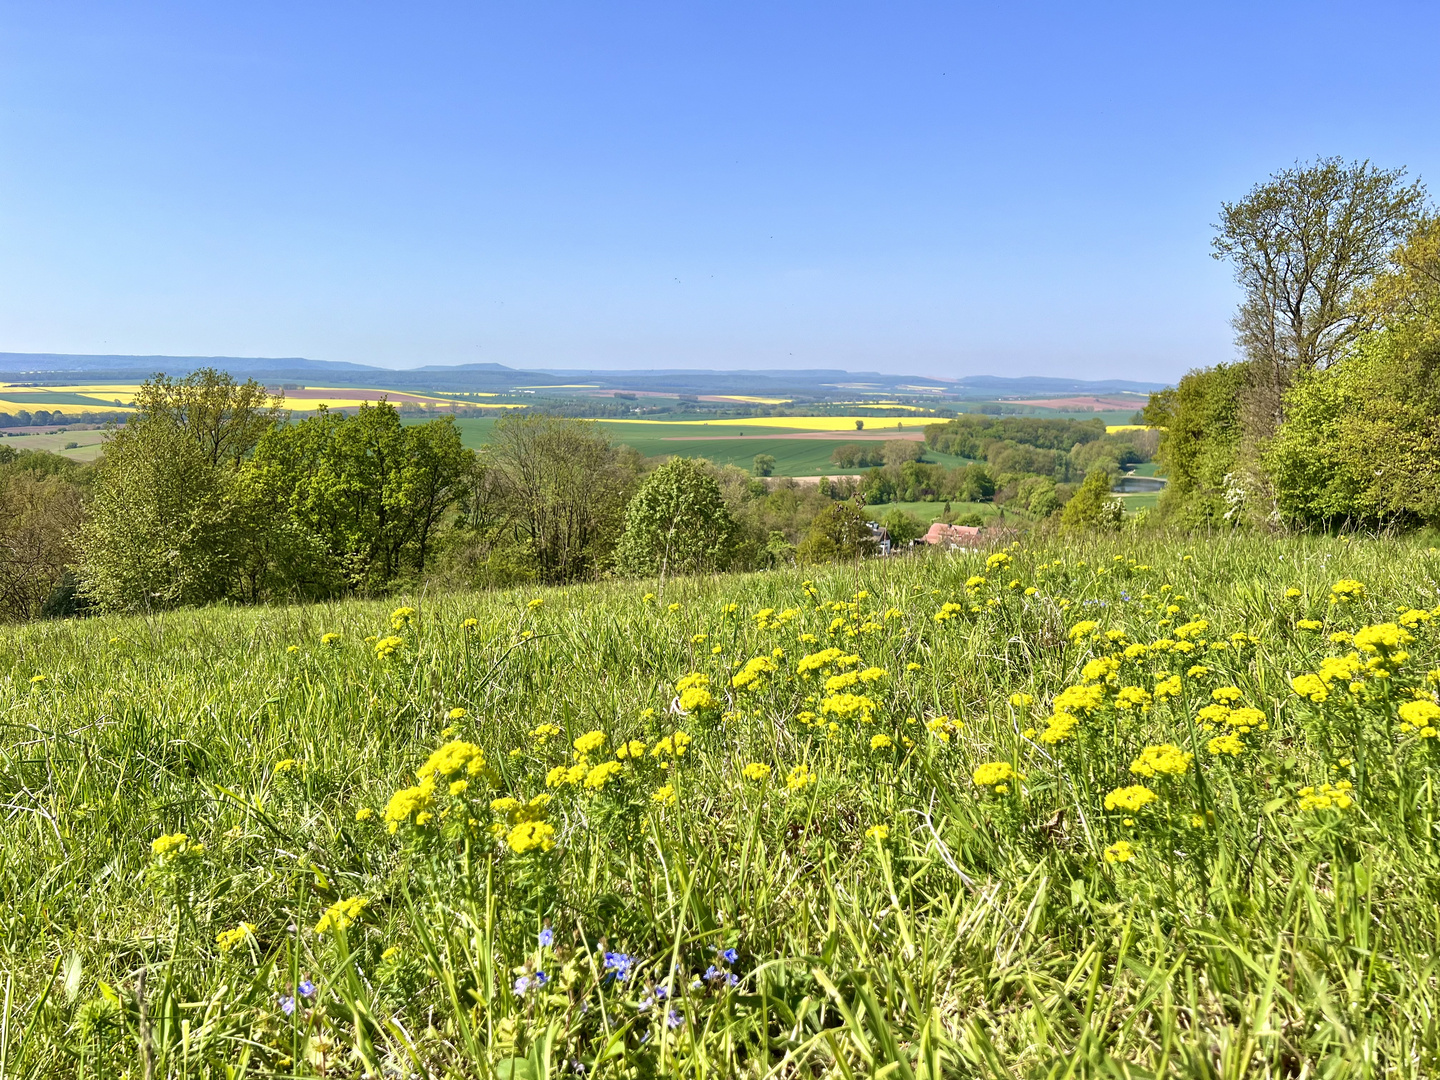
1059 728
694 693
992 773
1120 851
452 758
341 914
1130 798
1347 590
172 846
1081 698
799 778
1327 797
756 771
1226 744
1132 697
230 939
409 802
1164 760
590 742
597 777
530 835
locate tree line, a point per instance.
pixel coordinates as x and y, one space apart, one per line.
211 493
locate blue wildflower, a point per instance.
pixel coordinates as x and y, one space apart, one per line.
306 989
729 956
547 938
675 1019
541 979
287 1005
521 985
620 964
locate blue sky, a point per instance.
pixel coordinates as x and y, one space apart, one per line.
944 189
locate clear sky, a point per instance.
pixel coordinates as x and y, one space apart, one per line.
945 189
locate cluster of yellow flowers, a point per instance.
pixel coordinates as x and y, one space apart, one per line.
750 677
387 647
1164 760
1327 797
174 847
228 940
694 693
341 914
1421 716
1132 798
996 775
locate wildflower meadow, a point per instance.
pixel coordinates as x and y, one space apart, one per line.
1125 805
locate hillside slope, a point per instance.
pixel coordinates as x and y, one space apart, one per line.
999 816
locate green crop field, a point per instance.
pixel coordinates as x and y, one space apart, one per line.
1125 806
90 442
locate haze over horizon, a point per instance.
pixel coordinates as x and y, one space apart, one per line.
924 189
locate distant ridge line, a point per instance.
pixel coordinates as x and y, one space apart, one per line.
492 377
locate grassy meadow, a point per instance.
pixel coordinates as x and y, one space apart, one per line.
1048 811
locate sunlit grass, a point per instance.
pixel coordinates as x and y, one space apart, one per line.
888 914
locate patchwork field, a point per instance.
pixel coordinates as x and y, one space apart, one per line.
801 446
89 443
1126 807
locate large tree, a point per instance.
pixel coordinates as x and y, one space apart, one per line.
40 511
549 500
1303 245
225 419
371 490
676 523
1361 439
172 521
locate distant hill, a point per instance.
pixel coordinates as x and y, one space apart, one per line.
462 378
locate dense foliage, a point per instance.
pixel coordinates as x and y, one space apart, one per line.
206 496
1330 420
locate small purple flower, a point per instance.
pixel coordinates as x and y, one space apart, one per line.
729 956
662 992
541 979
306 989
620 964
547 938
646 1004
521 985
712 973
287 1005
675 1019
732 980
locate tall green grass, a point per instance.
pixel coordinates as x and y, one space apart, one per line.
986 935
